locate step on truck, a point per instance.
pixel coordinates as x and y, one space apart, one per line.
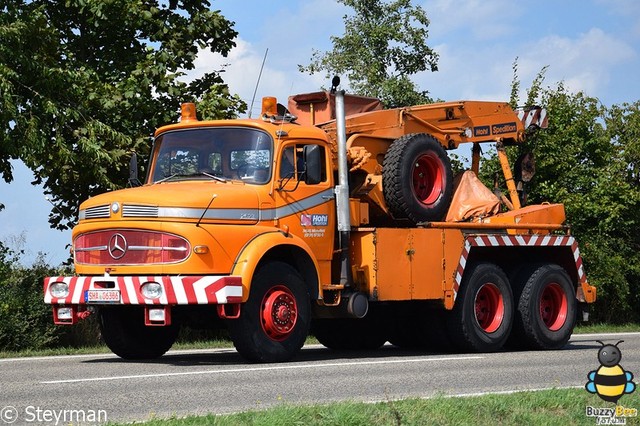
333 217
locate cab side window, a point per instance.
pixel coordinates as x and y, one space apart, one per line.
293 166
291 163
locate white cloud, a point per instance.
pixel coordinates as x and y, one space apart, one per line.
585 63
594 61
483 20
242 69
290 35
475 73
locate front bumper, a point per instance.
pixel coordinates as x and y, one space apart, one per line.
85 292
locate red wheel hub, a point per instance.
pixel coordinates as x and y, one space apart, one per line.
553 306
427 178
279 313
489 307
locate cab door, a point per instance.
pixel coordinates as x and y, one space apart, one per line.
304 204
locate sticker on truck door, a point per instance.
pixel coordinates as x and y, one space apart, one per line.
314 219
310 221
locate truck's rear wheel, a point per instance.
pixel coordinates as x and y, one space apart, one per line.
417 179
483 313
124 332
546 311
274 322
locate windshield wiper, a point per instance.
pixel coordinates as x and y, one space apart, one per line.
218 178
187 175
166 178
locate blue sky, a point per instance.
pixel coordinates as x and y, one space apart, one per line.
590 45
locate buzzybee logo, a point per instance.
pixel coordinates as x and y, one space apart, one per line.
610 382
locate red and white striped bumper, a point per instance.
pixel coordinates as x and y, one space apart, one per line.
177 290
588 292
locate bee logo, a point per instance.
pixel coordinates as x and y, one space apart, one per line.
610 381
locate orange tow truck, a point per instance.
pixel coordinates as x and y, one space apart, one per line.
334 217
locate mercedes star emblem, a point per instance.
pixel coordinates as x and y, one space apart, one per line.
117 246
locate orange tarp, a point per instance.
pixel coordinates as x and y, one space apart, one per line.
471 199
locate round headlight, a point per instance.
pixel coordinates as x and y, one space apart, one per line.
151 290
59 290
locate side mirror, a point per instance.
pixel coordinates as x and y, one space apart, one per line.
133 171
313 156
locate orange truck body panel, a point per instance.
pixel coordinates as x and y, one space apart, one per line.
407 264
205 239
393 264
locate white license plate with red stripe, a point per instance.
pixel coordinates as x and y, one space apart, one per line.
102 296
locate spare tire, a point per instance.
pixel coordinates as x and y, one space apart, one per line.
417 179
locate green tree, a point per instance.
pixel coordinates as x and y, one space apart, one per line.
84 82
623 127
383 45
588 160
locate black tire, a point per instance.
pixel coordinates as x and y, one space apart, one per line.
349 333
124 332
546 308
417 179
482 317
274 322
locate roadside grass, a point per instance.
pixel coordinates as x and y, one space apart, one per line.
100 349
225 343
547 407
606 328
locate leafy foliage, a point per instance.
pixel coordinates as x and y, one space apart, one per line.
383 44
25 322
84 82
588 160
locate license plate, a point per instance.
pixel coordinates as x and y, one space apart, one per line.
102 296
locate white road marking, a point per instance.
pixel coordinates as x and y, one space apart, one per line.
269 368
475 394
610 335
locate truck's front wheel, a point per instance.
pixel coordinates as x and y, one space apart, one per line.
124 332
274 322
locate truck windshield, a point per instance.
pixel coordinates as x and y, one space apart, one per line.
219 153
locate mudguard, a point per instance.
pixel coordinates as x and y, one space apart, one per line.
256 249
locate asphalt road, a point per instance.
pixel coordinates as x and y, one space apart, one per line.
219 381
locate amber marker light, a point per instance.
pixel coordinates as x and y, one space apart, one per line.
201 249
269 106
188 112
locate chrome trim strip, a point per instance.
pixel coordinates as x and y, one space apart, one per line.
195 213
300 206
249 214
156 248
99 248
137 248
